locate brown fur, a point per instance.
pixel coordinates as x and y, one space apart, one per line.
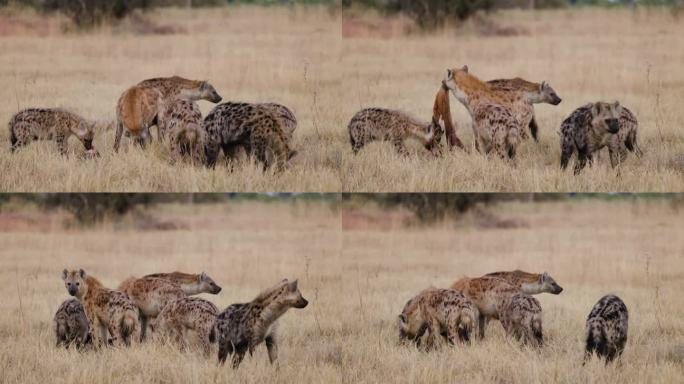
188 313
182 120
49 124
107 310
190 283
442 110
521 317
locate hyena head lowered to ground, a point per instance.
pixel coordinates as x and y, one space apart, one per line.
530 283
50 124
241 327
190 283
70 324
606 328
521 317
188 313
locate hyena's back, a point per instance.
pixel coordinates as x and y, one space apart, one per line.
606 328
70 324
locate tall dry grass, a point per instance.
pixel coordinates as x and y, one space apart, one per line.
357 281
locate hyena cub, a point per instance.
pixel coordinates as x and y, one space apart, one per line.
521 317
71 324
381 124
188 313
588 129
181 120
242 327
107 310
50 124
606 328
231 126
150 295
190 283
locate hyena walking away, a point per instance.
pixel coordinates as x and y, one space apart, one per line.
138 107
381 124
530 283
106 309
242 327
231 126
150 295
71 324
495 126
182 120
188 313
588 129
606 328
532 93
50 124
521 317
440 312
190 283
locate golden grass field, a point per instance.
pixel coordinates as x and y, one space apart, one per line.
297 56
357 281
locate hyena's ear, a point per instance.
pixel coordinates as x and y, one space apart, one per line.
595 109
293 286
465 68
544 85
617 106
81 273
203 276
543 277
65 273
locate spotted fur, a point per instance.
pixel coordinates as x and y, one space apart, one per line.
187 314
190 283
50 124
606 329
521 317
70 325
181 120
530 283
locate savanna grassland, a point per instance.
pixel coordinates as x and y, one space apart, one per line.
357 265
586 54
253 54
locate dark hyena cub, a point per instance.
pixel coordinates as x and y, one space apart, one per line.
241 327
71 324
606 328
588 129
50 124
521 317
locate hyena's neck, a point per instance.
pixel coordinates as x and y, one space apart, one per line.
268 315
531 288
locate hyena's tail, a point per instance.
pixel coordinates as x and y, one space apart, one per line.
631 144
212 334
130 326
537 331
512 140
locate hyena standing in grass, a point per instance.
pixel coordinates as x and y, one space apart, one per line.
50 124
190 283
71 324
181 120
530 283
521 317
588 129
188 313
150 295
606 328
242 327
531 93
139 106
494 114
381 124
106 309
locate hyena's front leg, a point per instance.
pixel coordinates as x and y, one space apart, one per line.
117 138
482 324
582 157
272 347
237 358
61 141
399 147
616 153
225 348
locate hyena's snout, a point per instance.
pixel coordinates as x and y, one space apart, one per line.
556 100
88 144
301 303
613 125
72 290
215 289
215 97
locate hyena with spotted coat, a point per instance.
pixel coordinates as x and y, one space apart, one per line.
107 310
70 324
139 106
187 314
530 283
606 328
50 124
190 283
530 93
495 114
521 317
588 129
181 120
230 126
242 327
151 295
382 124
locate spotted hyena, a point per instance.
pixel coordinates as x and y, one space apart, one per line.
187 314
496 126
107 310
488 294
444 312
71 324
50 124
532 93
190 283
181 120
588 129
242 327
521 317
530 283
606 328
231 126
150 295
139 106
381 124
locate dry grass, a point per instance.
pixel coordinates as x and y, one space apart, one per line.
254 54
587 55
357 282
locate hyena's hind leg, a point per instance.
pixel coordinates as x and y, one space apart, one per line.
534 128
238 355
400 147
225 349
